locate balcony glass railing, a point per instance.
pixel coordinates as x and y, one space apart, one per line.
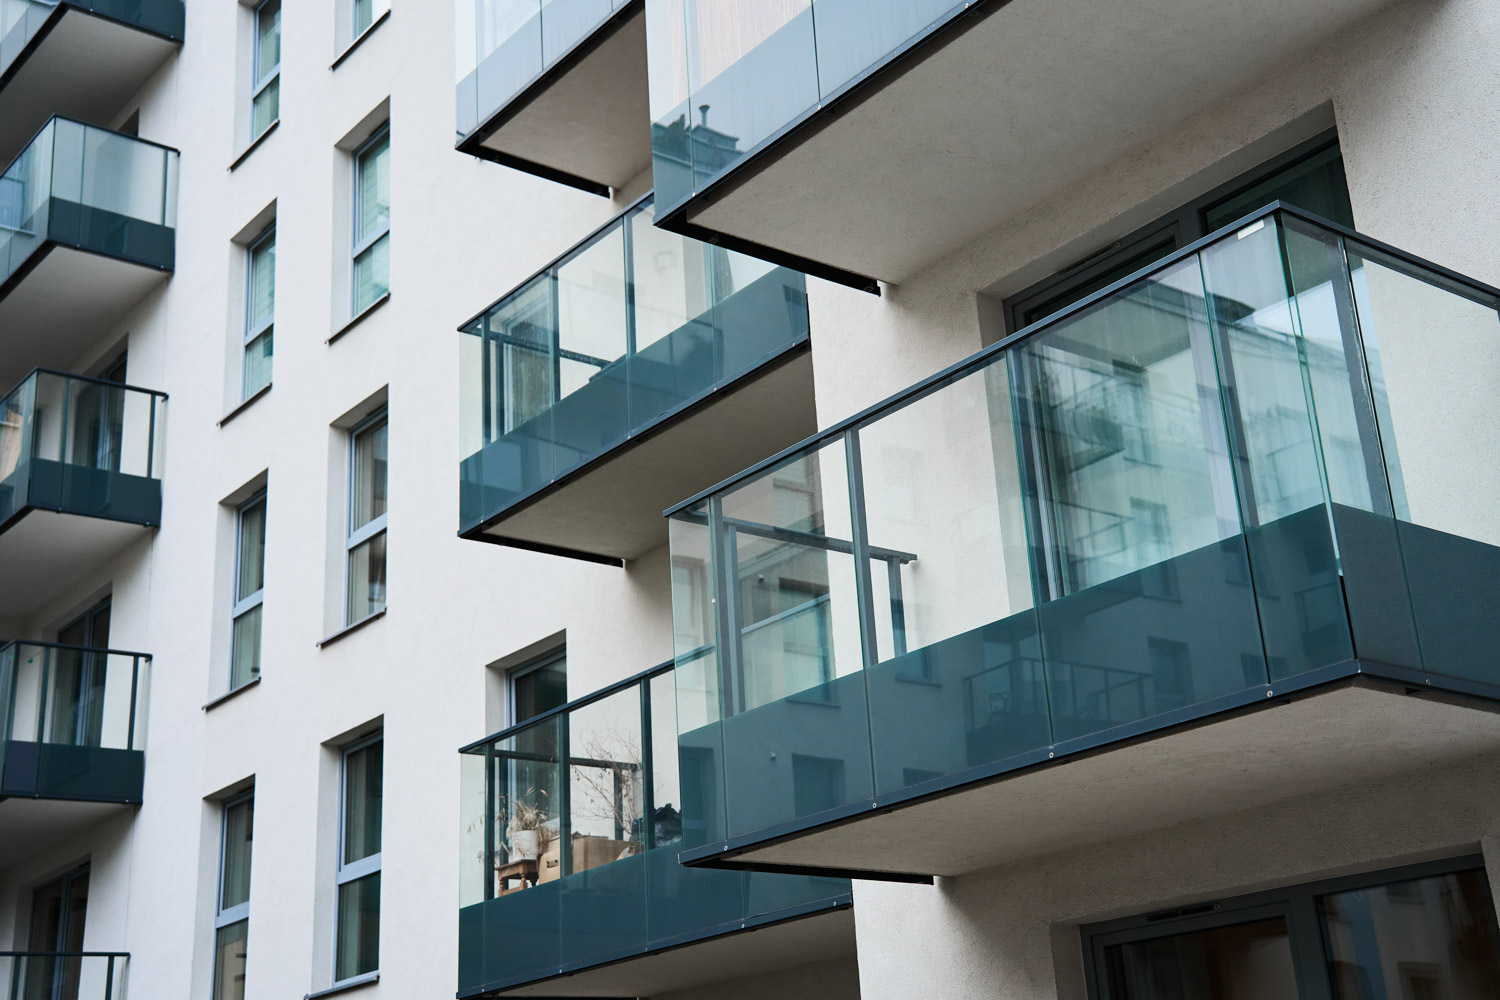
88 187
504 45
726 77
1233 476
82 446
571 825
20 20
68 703
630 327
55 975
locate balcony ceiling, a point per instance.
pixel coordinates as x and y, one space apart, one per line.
55 312
593 120
1017 109
45 551
1316 743
29 825
85 68
746 953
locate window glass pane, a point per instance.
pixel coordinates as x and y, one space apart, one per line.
252 554
362 801
364 13
245 657
538 689
372 274
373 195
262 292
1423 939
266 108
606 801
267 38
258 363
367 578
1250 961
369 475
239 823
229 961
359 928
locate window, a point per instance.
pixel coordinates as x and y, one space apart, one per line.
357 948
537 687
260 312
249 591
265 82
232 920
365 591
372 220
364 15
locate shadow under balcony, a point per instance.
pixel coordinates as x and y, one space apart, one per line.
570 884
79 58
559 91
71 749
80 480
1221 534
637 369
866 140
87 229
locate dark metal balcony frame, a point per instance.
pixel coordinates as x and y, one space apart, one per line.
473 143
59 12
111 956
49 244
806 126
1350 673
150 453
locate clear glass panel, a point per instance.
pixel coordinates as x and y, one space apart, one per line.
671 280
370 448
364 15
258 355
76 697
366 579
590 317
372 274
474 812
359 928
1425 939
666 789
229 961
1251 961
363 780
606 794
527 787
251 563
244 663
267 38
854 35
567 22
262 291
239 831
373 195
538 689
265 107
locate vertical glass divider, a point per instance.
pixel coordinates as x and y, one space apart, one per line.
627 228
726 609
565 793
489 821
41 705
67 408
135 676
1341 279
859 536
648 770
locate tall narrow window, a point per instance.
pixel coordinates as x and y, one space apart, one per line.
265 82
260 312
232 919
249 591
372 220
358 935
364 15
367 514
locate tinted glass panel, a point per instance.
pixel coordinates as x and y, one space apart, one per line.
1244 962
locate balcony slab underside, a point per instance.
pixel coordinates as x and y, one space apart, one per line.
43 551
754 951
612 509
1359 730
587 117
31 825
51 313
84 66
982 124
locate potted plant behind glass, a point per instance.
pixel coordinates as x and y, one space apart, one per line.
526 833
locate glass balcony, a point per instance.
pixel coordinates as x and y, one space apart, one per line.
80 58
630 330
74 722
570 828
76 975
555 87
1263 466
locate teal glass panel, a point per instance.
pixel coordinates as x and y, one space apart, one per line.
69 696
22 20
855 35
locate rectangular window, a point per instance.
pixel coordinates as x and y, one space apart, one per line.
260 312
364 15
265 81
232 919
249 590
367 513
372 220
357 950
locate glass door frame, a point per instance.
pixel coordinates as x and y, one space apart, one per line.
59 945
1296 904
92 659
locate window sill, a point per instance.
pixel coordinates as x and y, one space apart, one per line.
336 636
348 984
245 405
355 44
221 699
254 144
359 318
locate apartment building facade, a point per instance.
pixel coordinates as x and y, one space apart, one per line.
984 499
